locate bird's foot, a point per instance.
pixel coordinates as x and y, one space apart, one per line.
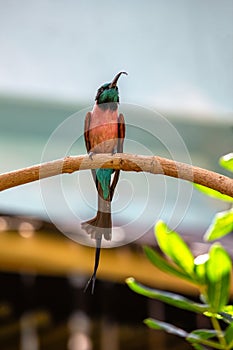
91 154
114 151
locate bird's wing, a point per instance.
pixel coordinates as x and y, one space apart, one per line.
86 131
88 142
121 136
121 133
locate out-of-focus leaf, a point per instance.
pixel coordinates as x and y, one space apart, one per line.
213 314
203 333
157 260
226 317
198 346
221 225
227 161
167 297
167 327
212 193
197 337
218 271
174 247
228 309
227 313
229 334
200 268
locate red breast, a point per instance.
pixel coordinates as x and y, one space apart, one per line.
103 130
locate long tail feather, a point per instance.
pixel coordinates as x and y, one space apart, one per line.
97 259
98 227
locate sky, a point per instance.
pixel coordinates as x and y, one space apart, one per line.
178 53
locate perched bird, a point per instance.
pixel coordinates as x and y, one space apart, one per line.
104 132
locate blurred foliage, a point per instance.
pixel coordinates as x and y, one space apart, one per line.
227 161
222 223
213 193
210 273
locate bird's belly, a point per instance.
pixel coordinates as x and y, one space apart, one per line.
103 134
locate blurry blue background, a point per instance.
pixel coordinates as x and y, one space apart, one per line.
178 53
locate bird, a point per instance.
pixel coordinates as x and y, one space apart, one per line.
104 132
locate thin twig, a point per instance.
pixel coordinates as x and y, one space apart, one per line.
126 162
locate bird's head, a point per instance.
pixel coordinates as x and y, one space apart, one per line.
108 95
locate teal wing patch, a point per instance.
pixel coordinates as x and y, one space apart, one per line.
104 178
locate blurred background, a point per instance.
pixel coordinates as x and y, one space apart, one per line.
177 100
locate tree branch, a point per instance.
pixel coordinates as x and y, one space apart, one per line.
126 162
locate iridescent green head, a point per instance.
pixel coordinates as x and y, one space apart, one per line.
108 95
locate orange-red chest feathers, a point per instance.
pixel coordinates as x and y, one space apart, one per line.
103 130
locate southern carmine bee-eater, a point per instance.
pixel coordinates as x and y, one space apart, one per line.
104 132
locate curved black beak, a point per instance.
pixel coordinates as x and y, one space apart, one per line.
114 82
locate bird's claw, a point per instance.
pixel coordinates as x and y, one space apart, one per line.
90 154
114 151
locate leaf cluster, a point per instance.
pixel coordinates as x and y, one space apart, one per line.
222 223
210 273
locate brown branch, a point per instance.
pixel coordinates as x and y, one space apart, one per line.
126 162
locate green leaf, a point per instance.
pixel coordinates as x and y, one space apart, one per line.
218 271
228 309
227 313
221 225
227 161
226 317
212 193
212 314
229 334
202 336
166 297
198 346
174 247
167 327
157 260
200 268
